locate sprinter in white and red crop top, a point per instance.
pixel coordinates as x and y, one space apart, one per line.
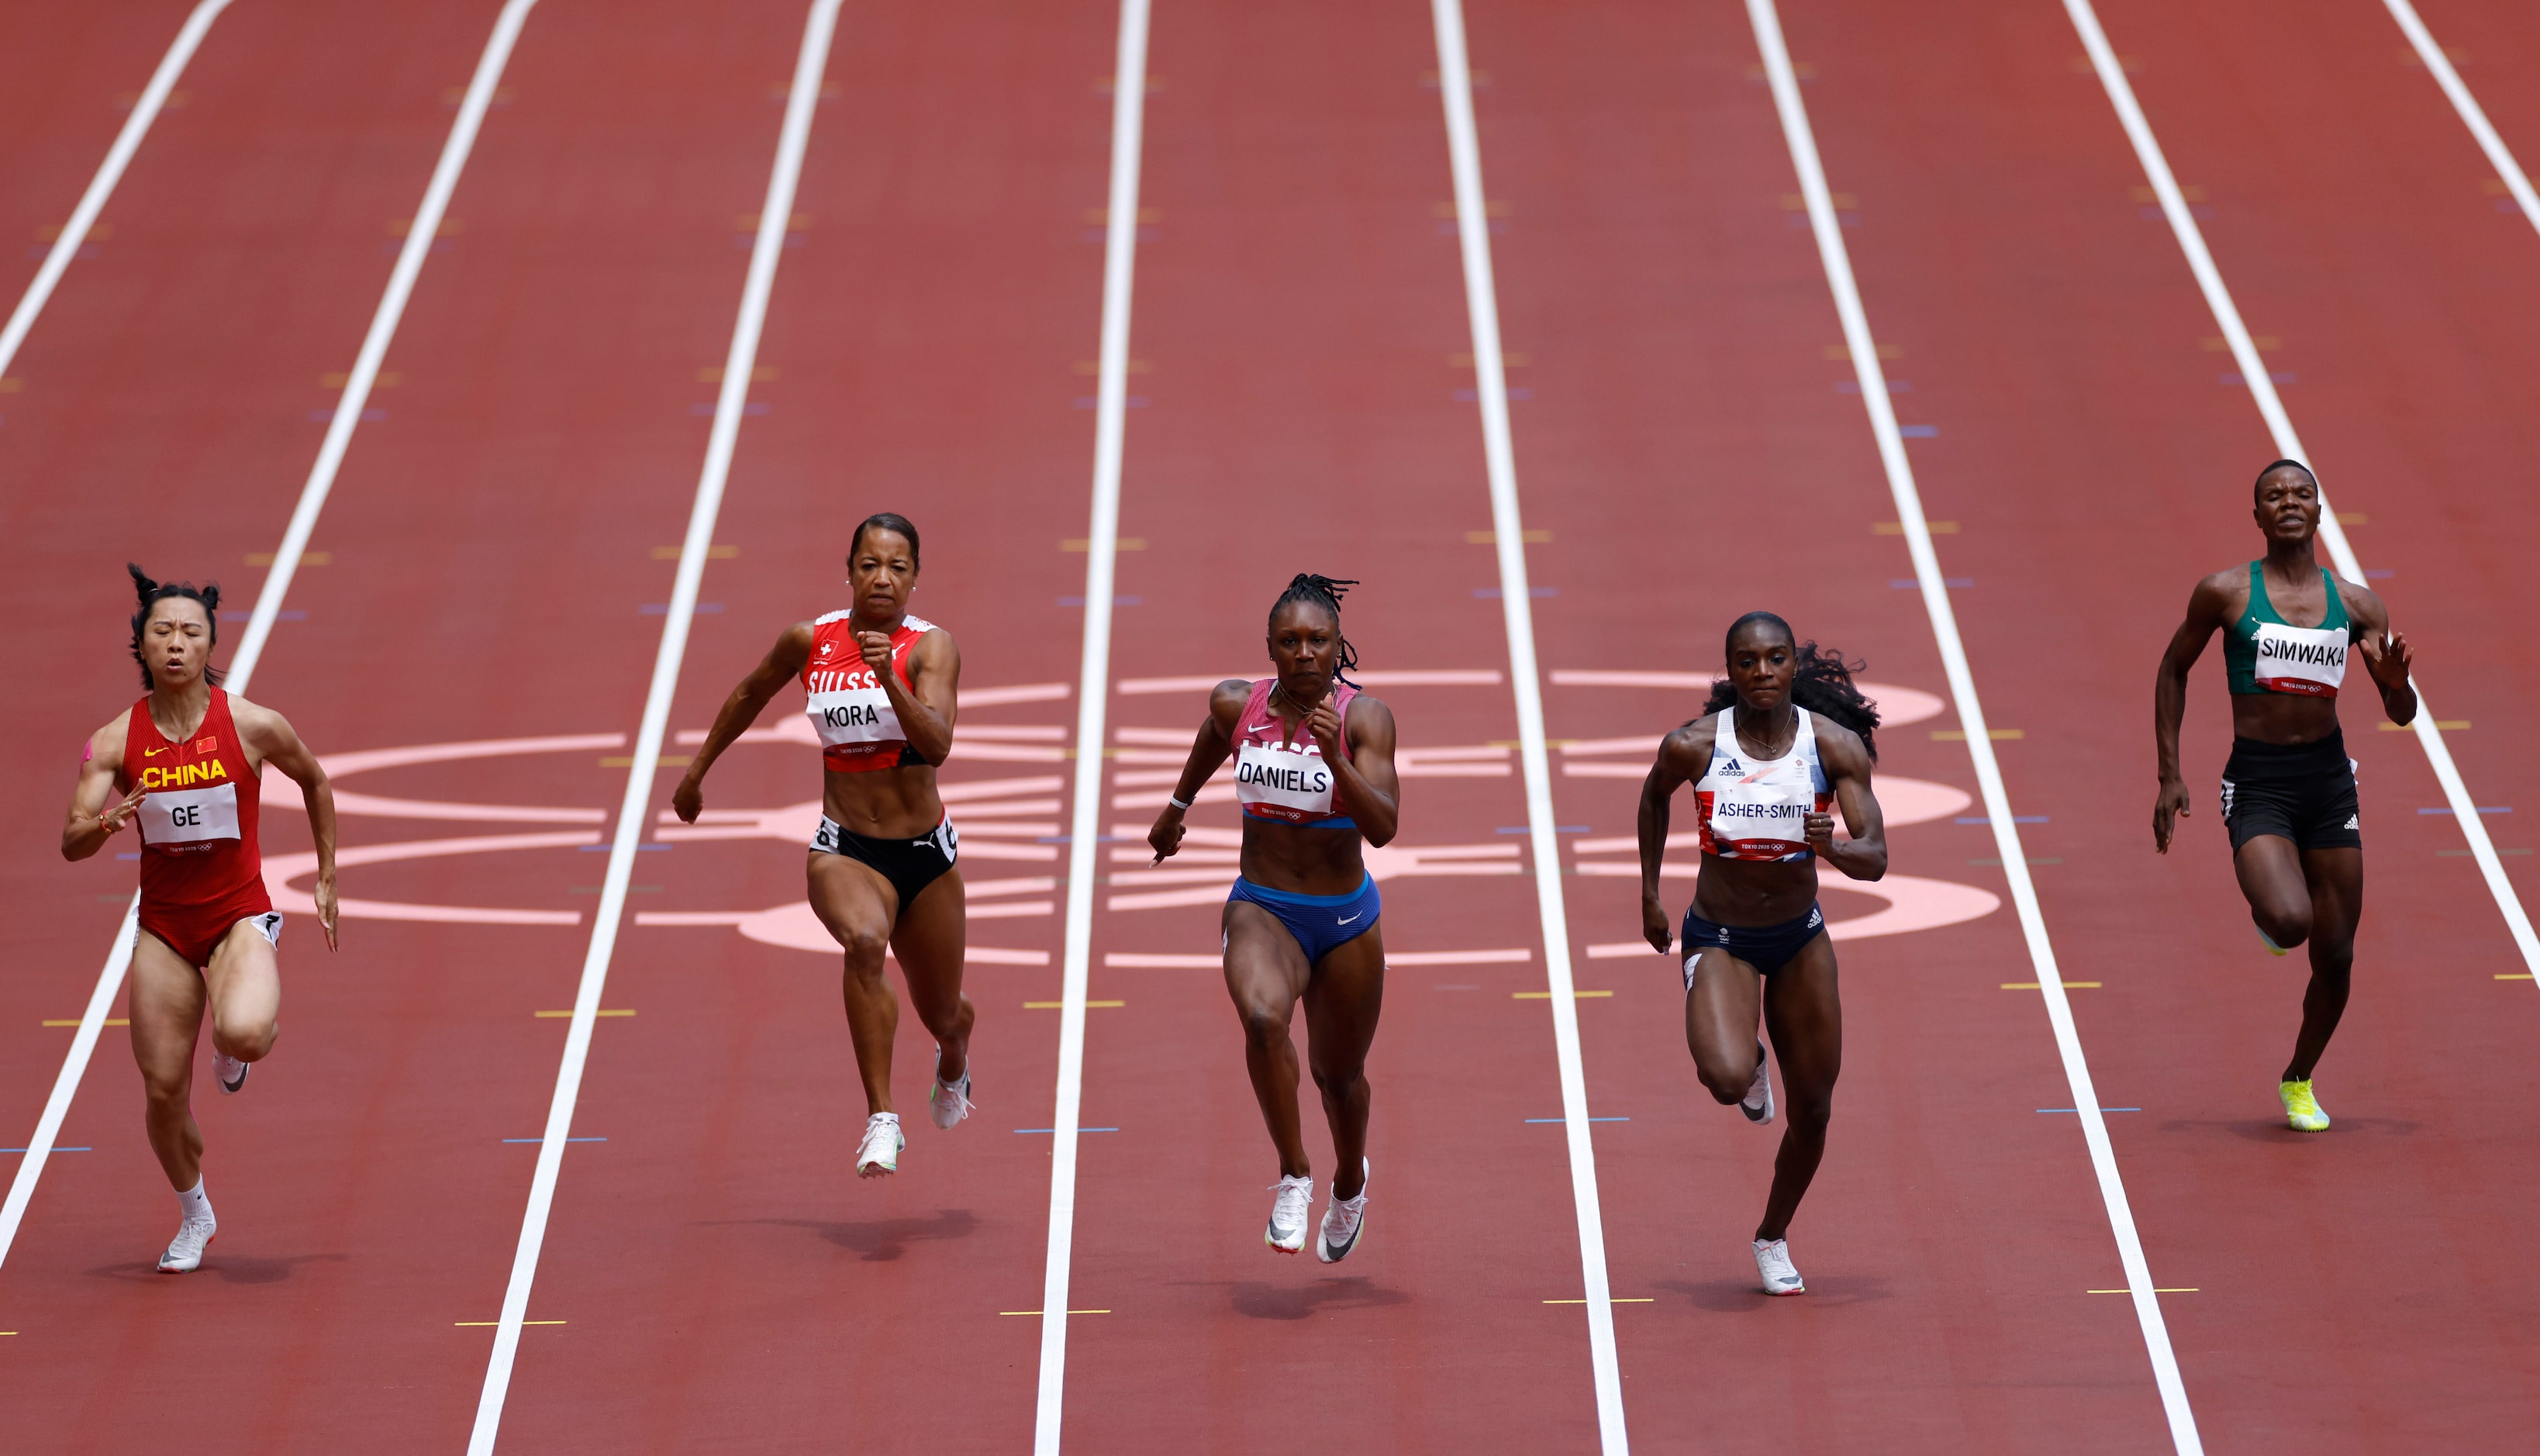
881 687
1769 776
1313 774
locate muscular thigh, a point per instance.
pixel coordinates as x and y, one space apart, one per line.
851 898
2335 879
2270 872
165 1006
245 979
1265 967
1804 1013
1721 1006
930 935
1343 999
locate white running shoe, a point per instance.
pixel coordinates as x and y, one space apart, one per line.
1773 1262
231 1070
1343 1221
185 1251
1759 1105
1287 1231
950 1102
880 1153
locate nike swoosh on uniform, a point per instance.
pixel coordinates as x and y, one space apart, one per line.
1354 917
152 752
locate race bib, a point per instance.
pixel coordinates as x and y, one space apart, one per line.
850 707
1268 775
2310 661
1757 814
184 814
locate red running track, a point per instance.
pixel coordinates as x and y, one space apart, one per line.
719 1278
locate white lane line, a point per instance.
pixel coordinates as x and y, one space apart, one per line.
1092 697
102 186
634 812
1857 335
286 562
2280 425
2472 116
1516 610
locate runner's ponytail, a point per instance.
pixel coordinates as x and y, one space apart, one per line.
150 593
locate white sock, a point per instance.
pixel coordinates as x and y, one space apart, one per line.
194 1204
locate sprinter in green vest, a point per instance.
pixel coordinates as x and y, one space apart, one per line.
2288 788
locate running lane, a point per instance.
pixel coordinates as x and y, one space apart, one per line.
68 78
2363 241
159 411
488 559
2099 464
1695 448
921 357
1299 404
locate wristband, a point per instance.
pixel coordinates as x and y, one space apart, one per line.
1180 803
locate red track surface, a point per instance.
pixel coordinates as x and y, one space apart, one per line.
722 1279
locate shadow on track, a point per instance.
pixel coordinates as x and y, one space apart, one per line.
2273 1130
1255 1299
1741 1297
878 1240
230 1268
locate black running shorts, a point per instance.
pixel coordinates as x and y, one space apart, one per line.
2303 792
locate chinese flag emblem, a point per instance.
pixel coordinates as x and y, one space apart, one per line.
208 745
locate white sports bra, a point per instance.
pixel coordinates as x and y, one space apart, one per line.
1754 808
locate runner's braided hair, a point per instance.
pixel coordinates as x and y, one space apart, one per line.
1324 593
1822 685
150 593
889 520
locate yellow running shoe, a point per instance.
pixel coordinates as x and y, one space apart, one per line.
2301 1109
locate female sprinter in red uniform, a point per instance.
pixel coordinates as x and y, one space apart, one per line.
1785 739
188 757
882 685
1313 769
2289 788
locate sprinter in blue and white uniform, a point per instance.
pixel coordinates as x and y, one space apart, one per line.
1313 770
1782 745
2288 795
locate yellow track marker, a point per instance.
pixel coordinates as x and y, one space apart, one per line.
121 1021
1492 537
665 761
568 1013
1052 1006
2448 724
1897 527
1086 544
2034 985
713 553
1547 995
1959 735
2526 976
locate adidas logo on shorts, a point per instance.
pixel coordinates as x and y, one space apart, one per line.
2354 821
